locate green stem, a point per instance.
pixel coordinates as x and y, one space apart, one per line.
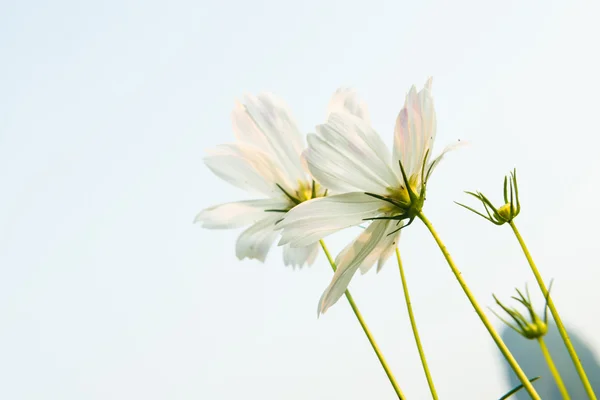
365 328
559 324
505 352
553 370
413 324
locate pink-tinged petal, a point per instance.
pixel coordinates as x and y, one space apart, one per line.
415 130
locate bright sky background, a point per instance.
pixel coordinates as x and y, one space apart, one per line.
107 289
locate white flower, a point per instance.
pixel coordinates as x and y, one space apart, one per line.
348 156
267 159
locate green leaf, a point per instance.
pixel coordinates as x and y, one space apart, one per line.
516 389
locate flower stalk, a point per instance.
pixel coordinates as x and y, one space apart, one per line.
559 324
486 322
555 374
506 214
413 325
365 328
533 328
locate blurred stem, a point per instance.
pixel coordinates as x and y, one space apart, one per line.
554 311
507 354
413 324
365 328
553 370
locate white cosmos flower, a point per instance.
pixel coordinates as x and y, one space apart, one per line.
348 156
266 159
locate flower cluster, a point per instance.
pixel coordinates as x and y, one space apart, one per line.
346 176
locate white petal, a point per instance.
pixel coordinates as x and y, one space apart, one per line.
365 249
266 122
347 100
380 253
238 214
386 253
298 256
313 220
350 151
359 135
437 160
338 170
245 128
247 167
415 130
255 242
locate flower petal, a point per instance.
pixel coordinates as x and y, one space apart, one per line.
255 242
386 253
365 249
312 220
238 214
246 167
437 160
338 170
347 100
380 253
351 152
415 130
266 122
298 256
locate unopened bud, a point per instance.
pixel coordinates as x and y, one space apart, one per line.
535 329
505 211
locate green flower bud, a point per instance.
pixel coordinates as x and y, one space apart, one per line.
505 213
535 329
530 328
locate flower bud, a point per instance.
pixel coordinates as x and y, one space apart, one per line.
535 329
530 328
505 213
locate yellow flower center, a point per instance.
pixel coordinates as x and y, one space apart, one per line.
308 190
400 195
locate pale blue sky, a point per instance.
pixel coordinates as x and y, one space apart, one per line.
107 289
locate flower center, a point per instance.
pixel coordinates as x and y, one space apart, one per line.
306 191
401 197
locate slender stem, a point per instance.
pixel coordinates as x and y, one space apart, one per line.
365 328
559 324
509 357
553 370
413 324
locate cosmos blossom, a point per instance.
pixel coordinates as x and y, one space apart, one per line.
266 160
387 190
